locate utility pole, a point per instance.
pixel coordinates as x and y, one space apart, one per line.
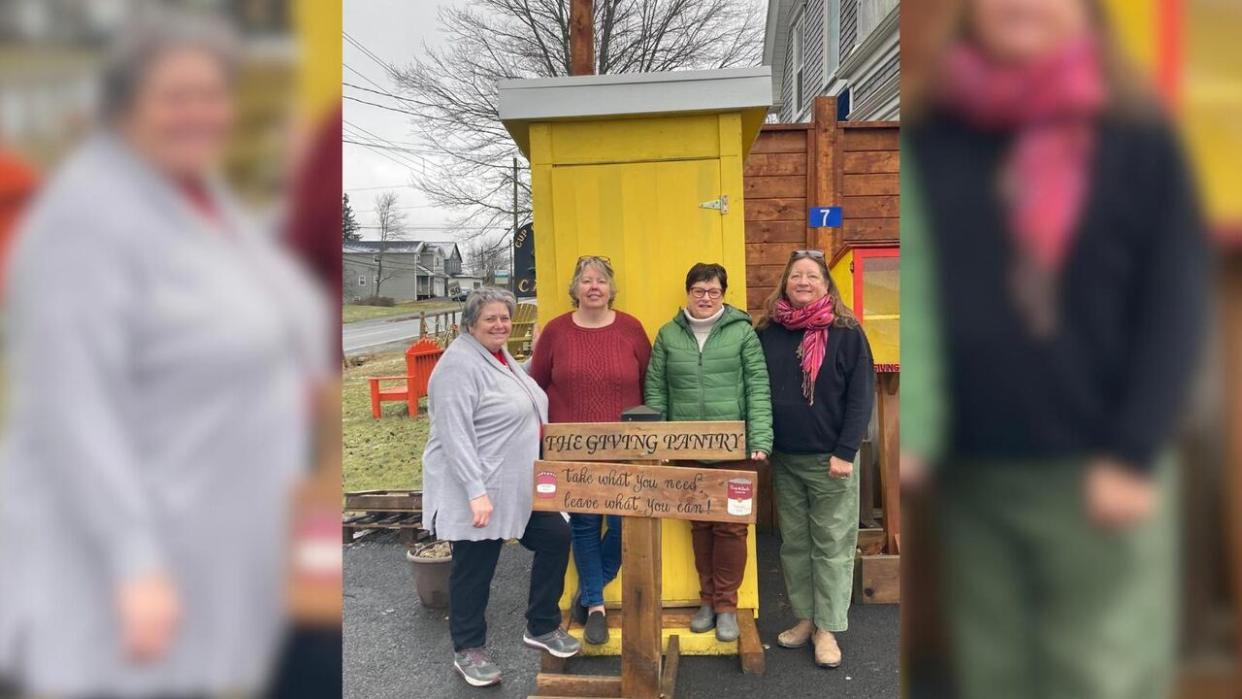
582 37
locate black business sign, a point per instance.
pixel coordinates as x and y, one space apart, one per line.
524 261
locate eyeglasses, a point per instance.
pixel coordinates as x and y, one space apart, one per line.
817 254
699 292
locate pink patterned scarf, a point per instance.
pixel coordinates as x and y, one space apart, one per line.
1050 104
815 318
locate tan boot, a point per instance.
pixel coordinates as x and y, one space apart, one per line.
827 652
797 636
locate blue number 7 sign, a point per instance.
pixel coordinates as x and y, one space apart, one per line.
825 217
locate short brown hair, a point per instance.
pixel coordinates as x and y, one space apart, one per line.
705 272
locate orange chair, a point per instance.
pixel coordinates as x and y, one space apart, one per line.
420 359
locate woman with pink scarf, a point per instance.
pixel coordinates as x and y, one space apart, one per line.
822 379
1068 269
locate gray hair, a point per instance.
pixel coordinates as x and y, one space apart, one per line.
480 298
144 42
604 268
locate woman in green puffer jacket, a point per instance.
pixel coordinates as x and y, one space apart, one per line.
707 364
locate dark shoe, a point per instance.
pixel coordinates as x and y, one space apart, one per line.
596 632
577 612
704 620
556 642
476 667
726 626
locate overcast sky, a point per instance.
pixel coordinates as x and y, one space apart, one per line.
395 31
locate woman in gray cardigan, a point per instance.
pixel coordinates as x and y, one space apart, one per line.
486 416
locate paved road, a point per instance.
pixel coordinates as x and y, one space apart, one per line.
373 335
394 647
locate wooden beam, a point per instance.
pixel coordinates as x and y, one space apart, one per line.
582 37
672 661
749 646
577 685
551 664
889 409
640 622
877 579
827 190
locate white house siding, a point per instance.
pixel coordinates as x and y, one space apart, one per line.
401 286
868 63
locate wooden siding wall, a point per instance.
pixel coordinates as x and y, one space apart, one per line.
851 164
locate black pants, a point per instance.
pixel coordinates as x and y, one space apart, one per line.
474 564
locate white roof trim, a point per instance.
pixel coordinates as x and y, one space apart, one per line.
635 93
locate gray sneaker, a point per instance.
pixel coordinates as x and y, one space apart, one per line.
556 642
476 667
726 626
704 619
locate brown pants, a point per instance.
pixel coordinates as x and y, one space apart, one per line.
719 552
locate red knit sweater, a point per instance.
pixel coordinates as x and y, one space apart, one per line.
591 374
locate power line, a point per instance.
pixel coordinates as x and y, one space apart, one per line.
388 67
373 104
385 93
382 186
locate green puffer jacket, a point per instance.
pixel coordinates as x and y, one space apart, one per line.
728 380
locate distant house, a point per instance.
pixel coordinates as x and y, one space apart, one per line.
850 49
412 269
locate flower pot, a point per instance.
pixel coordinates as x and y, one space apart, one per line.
431 575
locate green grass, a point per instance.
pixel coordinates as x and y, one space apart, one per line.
385 453
352 312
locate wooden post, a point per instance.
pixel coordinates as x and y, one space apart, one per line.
889 407
826 189
581 38
640 619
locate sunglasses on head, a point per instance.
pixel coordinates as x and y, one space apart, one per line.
817 254
587 259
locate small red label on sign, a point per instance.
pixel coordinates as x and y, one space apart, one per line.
741 493
545 484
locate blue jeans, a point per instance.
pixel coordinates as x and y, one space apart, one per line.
597 559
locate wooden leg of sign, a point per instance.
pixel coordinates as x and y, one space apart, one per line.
889 408
551 664
672 659
749 647
640 615
551 685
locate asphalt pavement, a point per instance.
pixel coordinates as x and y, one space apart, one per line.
396 648
380 333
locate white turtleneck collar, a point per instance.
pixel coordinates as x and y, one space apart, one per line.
702 327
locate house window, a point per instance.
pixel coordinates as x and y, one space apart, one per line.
832 39
362 280
795 53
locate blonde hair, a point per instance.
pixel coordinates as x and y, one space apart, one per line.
845 315
603 266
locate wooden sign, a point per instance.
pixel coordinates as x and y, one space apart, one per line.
631 490
626 441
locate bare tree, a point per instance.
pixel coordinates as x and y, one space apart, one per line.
390 221
452 94
486 256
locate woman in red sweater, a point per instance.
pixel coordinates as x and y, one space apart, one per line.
592 362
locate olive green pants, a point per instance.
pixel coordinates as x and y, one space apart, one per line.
1041 602
818 516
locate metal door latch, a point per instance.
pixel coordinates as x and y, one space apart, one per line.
721 204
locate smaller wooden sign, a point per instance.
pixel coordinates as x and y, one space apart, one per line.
633 490
626 441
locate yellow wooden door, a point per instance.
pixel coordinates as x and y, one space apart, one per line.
648 218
